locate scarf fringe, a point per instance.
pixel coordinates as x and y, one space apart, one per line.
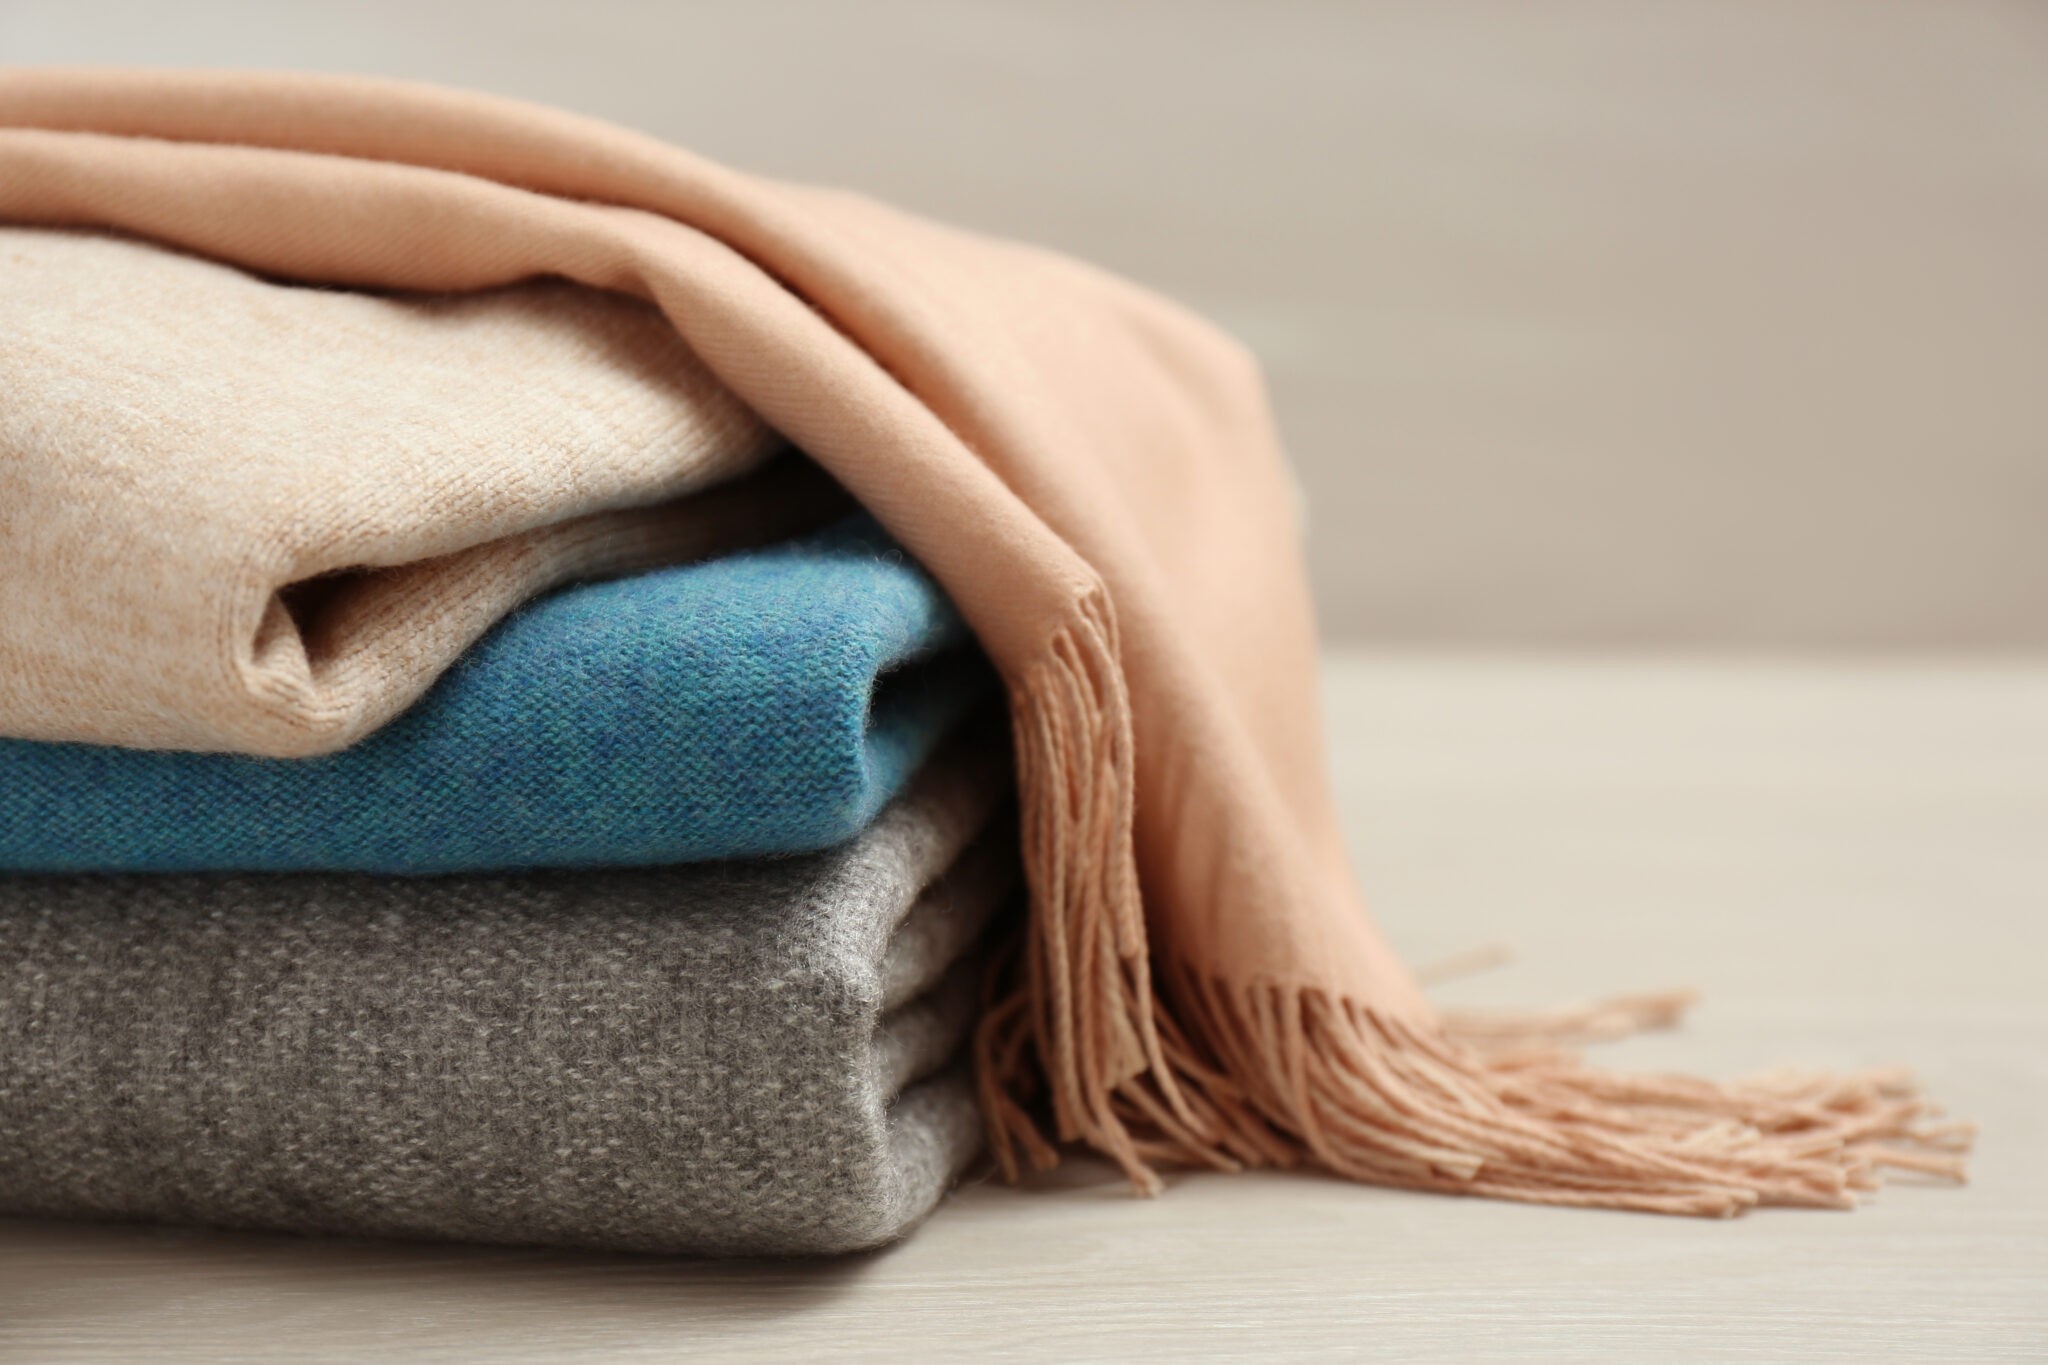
1230 1076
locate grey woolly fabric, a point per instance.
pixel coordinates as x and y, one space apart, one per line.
733 1058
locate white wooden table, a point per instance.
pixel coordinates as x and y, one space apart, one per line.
1851 860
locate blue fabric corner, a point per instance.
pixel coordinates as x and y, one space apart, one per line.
763 703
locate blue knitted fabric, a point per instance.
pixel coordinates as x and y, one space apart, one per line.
766 702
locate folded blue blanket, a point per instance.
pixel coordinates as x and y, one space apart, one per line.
767 702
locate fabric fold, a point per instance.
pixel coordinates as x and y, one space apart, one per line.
739 1057
248 516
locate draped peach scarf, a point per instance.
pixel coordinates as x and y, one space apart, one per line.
1093 476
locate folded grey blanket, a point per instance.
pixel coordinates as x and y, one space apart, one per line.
726 1058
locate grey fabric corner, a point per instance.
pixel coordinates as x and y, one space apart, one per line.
736 1058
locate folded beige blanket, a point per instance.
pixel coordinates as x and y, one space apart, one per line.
187 449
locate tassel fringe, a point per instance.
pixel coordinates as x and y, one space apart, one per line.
1192 1071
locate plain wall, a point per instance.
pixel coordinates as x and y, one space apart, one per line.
1705 324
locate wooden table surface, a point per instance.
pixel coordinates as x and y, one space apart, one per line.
1851 860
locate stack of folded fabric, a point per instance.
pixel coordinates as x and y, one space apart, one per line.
339 889
650 916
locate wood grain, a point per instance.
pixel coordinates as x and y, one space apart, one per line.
1853 862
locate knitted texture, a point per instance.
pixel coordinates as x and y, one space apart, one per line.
734 1058
766 702
423 463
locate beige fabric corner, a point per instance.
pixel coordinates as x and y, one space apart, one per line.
437 460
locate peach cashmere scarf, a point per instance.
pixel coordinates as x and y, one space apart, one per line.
1093 476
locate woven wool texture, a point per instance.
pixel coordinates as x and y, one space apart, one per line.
736 1057
763 702
183 442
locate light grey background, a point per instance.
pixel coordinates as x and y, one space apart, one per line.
1620 322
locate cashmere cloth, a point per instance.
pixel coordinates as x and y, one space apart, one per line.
1090 473
763 702
241 515
738 1057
